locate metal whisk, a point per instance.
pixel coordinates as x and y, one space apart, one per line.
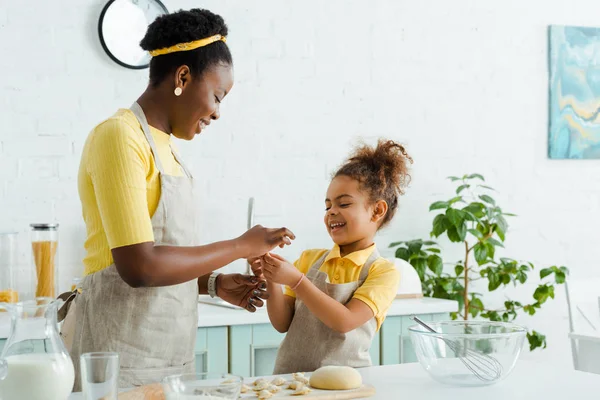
483 366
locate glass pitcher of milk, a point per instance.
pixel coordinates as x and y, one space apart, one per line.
34 363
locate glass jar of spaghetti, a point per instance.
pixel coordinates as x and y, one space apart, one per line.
44 246
8 267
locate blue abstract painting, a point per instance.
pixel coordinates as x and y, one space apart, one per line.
574 131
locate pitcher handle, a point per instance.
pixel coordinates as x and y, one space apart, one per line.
3 369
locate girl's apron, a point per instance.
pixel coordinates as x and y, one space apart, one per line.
310 344
152 329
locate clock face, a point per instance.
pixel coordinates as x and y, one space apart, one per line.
122 26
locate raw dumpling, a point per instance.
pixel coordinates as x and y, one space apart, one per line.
261 385
302 391
245 388
274 389
297 375
279 381
295 385
264 394
302 379
336 378
259 381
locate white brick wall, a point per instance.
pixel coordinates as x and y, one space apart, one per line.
462 83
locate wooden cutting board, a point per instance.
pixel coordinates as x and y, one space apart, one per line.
361 393
155 392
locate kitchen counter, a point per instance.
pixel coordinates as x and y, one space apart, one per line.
529 380
210 315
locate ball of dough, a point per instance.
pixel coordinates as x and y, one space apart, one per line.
336 378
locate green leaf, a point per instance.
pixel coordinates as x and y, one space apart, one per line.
543 292
509 215
454 178
502 224
493 282
491 250
475 208
462 231
521 276
456 199
476 233
420 266
440 224
462 187
433 250
481 253
478 176
545 272
453 235
435 264
499 232
495 242
486 187
415 246
429 243
454 216
403 253
536 340
475 307
560 277
487 199
395 244
438 205
459 269
529 309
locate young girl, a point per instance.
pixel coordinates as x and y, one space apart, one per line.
336 300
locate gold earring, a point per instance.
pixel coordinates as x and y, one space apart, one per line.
178 91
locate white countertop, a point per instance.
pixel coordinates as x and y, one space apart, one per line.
222 316
210 315
529 381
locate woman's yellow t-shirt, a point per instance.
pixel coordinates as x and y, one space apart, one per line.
379 289
119 186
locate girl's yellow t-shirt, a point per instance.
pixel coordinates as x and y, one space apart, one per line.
119 186
379 289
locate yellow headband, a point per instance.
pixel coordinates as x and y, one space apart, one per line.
188 46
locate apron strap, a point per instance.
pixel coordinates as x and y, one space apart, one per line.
317 264
139 113
364 272
181 163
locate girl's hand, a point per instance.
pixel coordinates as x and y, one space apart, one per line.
256 266
277 269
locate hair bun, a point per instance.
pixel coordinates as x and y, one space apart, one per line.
381 170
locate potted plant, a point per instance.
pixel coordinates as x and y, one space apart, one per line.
473 220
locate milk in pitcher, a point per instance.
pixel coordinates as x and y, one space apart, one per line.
37 376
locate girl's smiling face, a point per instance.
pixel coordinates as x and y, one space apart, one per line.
351 218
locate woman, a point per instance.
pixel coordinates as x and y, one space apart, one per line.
144 267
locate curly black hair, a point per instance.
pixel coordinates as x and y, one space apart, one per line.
382 171
180 27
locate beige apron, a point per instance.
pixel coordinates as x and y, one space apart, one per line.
310 344
152 329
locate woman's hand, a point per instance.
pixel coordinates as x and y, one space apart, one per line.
244 291
277 269
260 240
